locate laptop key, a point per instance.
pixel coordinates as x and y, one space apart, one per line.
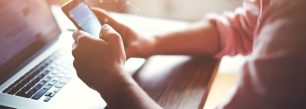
54 90
38 86
60 84
39 94
65 80
31 92
47 79
48 86
52 82
6 90
36 80
50 94
20 93
42 83
23 94
47 99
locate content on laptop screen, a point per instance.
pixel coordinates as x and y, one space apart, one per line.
26 26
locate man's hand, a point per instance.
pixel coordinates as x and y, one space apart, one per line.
99 62
136 45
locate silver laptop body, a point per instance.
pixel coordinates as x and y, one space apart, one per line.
36 70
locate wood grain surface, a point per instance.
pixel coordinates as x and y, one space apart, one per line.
177 82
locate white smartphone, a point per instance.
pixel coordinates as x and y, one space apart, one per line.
82 17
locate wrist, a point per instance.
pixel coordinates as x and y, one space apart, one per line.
117 86
151 46
144 47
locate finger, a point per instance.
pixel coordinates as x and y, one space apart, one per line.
79 72
81 35
75 35
106 19
103 16
73 45
128 53
110 35
74 51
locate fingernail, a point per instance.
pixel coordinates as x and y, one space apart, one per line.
105 20
105 26
82 32
74 33
77 33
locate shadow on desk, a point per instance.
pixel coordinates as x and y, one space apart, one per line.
177 82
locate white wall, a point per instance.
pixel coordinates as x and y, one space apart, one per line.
189 10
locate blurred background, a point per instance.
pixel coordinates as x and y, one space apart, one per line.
187 10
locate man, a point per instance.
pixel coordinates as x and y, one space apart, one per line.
271 32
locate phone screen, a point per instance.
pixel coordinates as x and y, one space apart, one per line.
85 19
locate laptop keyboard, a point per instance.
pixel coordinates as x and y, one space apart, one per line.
47 79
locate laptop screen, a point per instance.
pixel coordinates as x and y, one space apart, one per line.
26 27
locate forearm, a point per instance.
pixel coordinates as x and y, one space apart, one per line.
199 39
126 94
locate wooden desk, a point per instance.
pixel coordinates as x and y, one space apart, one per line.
225 80
177 82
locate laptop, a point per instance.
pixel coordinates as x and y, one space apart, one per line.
36 70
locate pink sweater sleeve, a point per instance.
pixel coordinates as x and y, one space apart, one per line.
236 29
273 76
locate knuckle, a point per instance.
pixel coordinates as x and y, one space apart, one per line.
75 52
82 39
79 74
113 35
127 30
74 64
124 29
75 33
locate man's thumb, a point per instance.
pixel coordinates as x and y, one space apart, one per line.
110 35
